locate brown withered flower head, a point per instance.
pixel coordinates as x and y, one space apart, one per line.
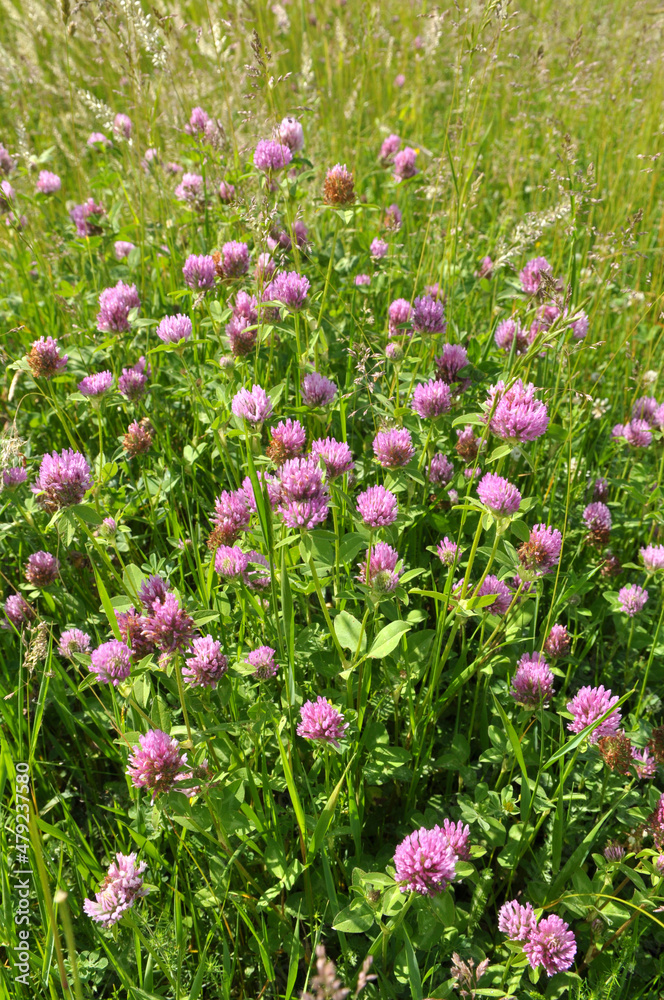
656 744
616 751
338 188
138 438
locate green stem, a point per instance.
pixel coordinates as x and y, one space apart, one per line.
326 613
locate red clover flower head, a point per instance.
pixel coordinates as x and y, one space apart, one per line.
317 390
118 892
288 441
379 569
138 438
425 862
517 415
122 125
557 642
393 448
485 269
448 551
389 149
199 271
265 268
133 381
530 277
320 720
532 684
206 665
541 553
614 851
503 595
48 183
255 578
551 944
498 495
96 385
115 304
338 188
231 562
579 324
645 408
632 599
153 589
377 507
13 477
226 192
335 455
232 513
130 625
235 259
450 363
86 218
288 287
597 517
516 920
263 660
42 569
600 489
198 122
645 764
590 704
158 763
98 139
169 626
72 641
458 837
653 557
6 162
405 164
18 611
362 279
253 405
301 479
291 134
431 399
378 248
45 359
399 313
173 329
511 332
429 315
636 433
440 469
270 155
305 514
111 662
63 480
304 497
190 189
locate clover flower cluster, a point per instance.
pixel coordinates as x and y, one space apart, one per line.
425 861
515 414
304 496
321 722
115 304
548 942
45 359
120 889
